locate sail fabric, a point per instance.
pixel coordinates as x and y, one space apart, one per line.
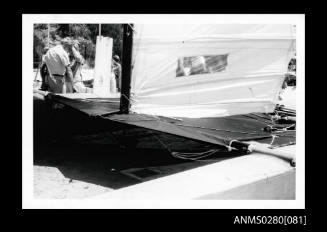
103 81
208 70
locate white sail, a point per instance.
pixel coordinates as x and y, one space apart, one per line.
243 68
102 71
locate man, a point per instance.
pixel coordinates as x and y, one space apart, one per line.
117 71
78 84
78 62
60 73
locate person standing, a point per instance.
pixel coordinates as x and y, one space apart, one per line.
78 62
78 85
117 71
60 73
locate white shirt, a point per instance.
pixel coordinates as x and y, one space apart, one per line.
56 60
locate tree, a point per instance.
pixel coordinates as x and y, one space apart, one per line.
114 31
39 42
85 34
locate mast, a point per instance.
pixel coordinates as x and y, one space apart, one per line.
126 68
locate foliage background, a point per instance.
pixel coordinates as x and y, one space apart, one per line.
85 33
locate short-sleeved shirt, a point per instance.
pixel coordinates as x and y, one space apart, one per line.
56 60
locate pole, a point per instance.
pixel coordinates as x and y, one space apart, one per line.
48 42
48 35
126 68
253 146
100 30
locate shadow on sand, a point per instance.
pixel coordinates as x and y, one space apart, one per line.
105 164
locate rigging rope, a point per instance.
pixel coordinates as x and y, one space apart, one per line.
194 156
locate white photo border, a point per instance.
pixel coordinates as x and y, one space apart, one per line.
27 109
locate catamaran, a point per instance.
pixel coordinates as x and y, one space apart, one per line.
214 83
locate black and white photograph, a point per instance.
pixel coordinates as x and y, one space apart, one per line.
163 111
